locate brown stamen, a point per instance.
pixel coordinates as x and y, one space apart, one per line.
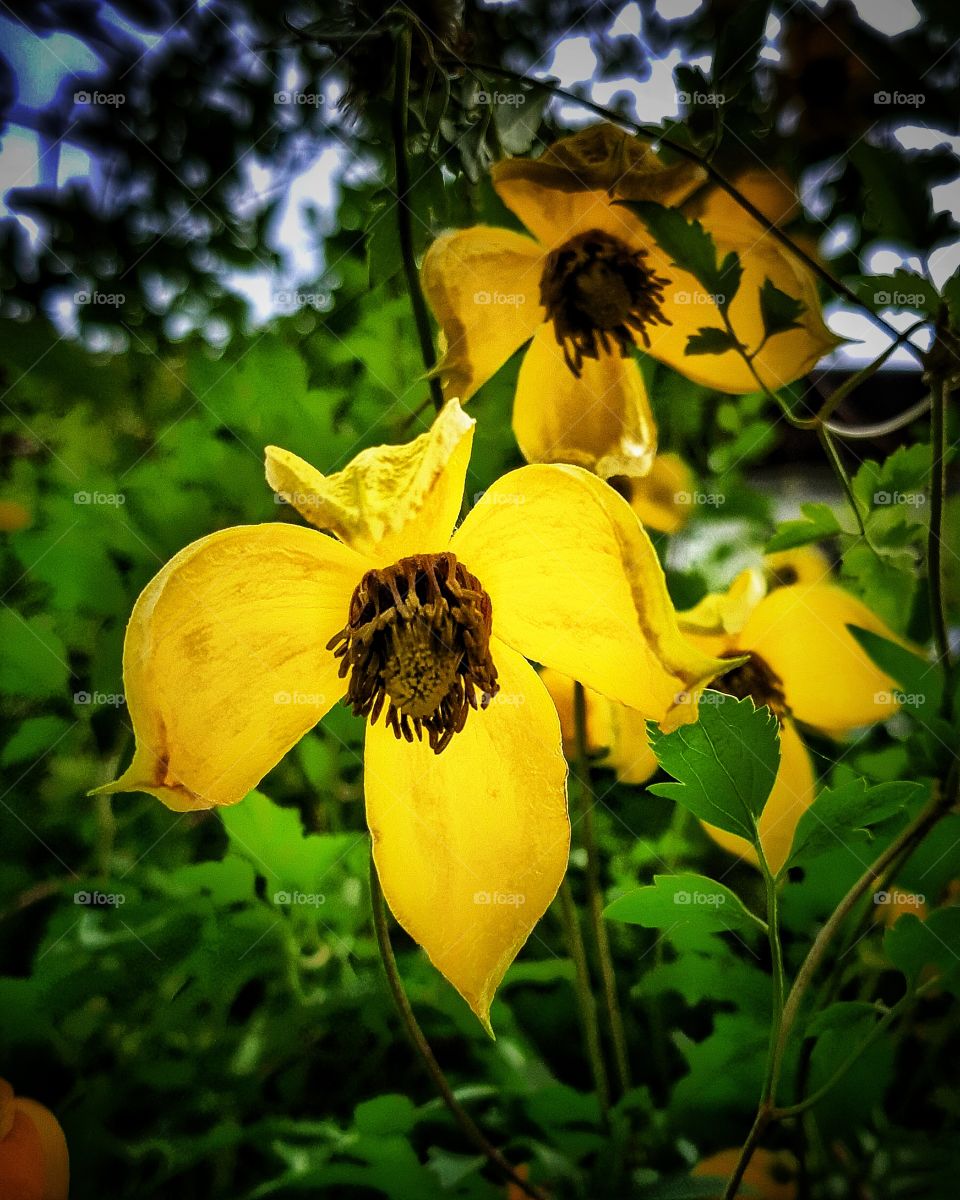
757 679
417 642
596 288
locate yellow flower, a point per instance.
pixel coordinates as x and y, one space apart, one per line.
588 285
803 663
247 637
34 1161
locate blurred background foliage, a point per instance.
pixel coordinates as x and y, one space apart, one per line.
201 1037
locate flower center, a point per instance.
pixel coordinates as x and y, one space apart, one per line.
595 289
417 641
757 679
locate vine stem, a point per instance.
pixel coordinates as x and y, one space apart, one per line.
598 926
470 1128
915 832
938 480
586 1004
401 102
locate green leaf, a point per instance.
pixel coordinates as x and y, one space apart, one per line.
691 248
839 813
710 340
912 945
725 764
687 899
778 311
818 522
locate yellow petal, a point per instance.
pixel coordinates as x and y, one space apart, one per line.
471 844
389 501
576 585
616 735
483 285
663 498
725 613
568 189
601 421
224 664
792 794
804 565
767 189
785 358
828 681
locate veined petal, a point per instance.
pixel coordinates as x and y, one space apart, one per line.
483 285
389 501
601 421
471 844
576 585
569 188
828 680
225 664
793 792
785 358
663 498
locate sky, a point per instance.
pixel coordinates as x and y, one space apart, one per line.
311 193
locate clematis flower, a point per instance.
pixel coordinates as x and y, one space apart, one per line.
34 1161
586 286
247 638
803 663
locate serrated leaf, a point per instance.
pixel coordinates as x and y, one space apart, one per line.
819 521
852 808
709 340
685 899
725 764
778 311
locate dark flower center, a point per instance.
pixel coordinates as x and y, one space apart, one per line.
757 679
599 292
417 642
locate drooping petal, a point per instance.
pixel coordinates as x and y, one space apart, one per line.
829 681
617 735
576 585
601 421
663 498
225 663
793 793
803 565
471 844
570 187
483 285
389 501
786 357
